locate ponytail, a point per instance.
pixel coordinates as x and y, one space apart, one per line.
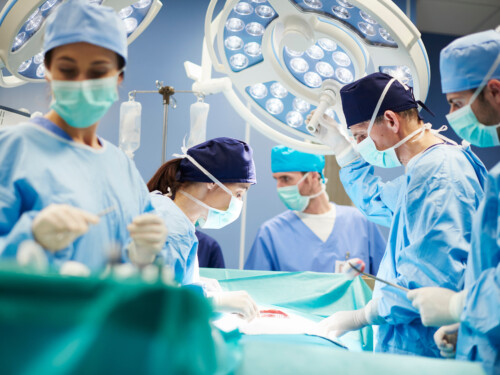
165 178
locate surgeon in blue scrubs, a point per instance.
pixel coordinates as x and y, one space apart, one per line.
429 208
61 184
470 78
205 186
314 234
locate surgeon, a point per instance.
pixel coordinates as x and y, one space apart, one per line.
313 234
61 184
429 208
470 78
205 185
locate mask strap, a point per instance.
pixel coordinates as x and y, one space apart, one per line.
379 104
197 201
207 173
485 80
412 134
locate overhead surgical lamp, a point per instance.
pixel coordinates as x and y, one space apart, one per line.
22 24
289 57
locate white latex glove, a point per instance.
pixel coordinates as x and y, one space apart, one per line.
446 340
148 233
350 272
438 306
58 225
31 255
342 322
72 268
238 302
329 133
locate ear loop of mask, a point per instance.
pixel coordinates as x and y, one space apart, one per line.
485 80
379 104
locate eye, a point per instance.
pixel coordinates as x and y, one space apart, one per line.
93 74
68 72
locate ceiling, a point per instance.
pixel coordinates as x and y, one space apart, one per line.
457 17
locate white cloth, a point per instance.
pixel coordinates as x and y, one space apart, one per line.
320 224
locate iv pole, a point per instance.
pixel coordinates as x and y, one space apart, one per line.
166 92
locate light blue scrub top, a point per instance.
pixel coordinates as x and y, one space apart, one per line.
479 335
41 165
182 243
286 243
430 210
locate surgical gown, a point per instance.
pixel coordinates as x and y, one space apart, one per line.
479 335
429 239
182 243
41 165
285 243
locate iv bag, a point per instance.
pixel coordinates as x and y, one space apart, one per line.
130 127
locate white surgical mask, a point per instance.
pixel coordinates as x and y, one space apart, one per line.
215 219
386 158
466 124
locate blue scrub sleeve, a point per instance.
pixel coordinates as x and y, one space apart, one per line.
260 257
440 214
369 193
482 307
376 247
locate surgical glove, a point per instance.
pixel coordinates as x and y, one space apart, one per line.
58 225
238 302
72 268
329 133
148 233
344 321
350 272
438 306
446 340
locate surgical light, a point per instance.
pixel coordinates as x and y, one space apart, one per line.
282 59
22 25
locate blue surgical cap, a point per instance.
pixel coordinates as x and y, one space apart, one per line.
285 159
77 21
465 62
227 159
360 98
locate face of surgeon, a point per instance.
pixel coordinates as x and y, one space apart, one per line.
219 199
486 107
82 61
306 187
384 133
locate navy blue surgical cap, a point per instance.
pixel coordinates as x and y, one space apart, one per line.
228 160
360 98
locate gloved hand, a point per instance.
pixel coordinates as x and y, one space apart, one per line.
350 272
329 133
58 225
148 233
238 302
438 306
344 321
72 268
446 340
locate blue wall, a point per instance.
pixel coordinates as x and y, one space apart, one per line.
158 54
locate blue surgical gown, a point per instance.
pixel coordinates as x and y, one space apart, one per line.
286 243
41 165
430 221
182 243
479 335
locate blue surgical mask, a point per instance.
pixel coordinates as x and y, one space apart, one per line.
292 199
215 219
83 103
466 124
386 158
